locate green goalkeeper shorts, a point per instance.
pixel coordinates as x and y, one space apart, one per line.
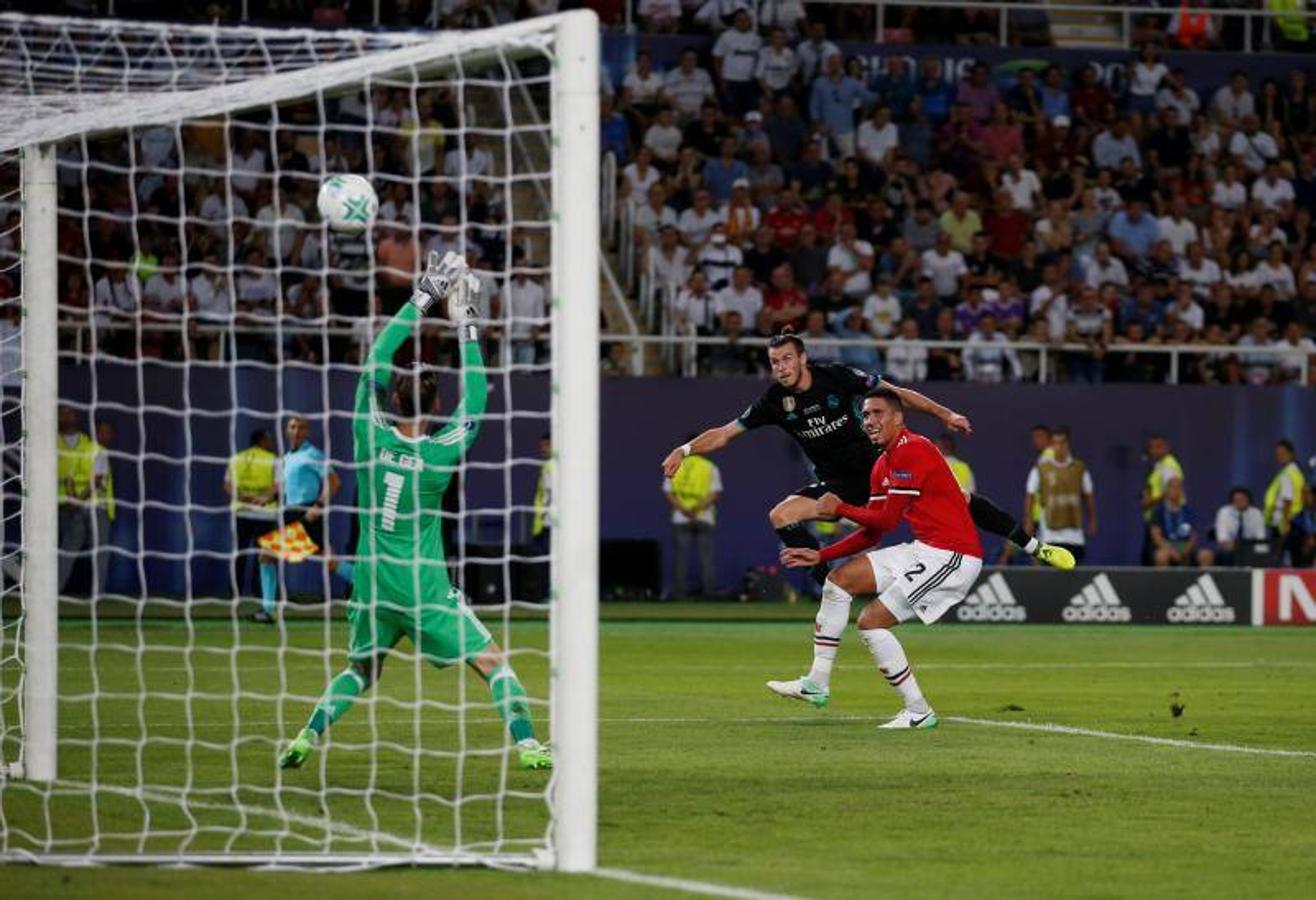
443 634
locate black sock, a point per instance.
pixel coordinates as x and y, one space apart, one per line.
796 534
994 520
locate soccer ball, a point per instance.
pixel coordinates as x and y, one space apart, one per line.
347 203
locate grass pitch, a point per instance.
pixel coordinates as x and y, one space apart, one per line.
707 776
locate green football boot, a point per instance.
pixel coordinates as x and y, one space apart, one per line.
298 750
1055 556
534 755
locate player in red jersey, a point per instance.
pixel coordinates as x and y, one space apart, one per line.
922 578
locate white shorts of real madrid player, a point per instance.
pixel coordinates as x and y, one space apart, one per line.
918 580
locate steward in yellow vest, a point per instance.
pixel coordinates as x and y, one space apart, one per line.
250 484
542 522
692 493
1164 468
84 472
1292 23
1284 495
959 468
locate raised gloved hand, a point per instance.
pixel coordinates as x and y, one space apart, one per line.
439 279
463 306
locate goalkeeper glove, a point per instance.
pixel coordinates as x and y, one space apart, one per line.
440 277
463 307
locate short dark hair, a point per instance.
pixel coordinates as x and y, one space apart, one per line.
1239 489
259 436
786 336
1060 431
882 392
415 392
1039 427
1286 444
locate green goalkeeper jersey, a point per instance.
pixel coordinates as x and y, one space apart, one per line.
401 480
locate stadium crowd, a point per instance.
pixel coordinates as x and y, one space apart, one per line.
776 183
770 183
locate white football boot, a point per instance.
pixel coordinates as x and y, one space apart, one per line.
801 689
907 719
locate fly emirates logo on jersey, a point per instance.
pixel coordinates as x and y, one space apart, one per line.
821 426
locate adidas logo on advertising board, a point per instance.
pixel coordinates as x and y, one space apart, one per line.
1201 602
993 601
1097 602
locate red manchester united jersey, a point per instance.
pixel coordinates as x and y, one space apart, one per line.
913 475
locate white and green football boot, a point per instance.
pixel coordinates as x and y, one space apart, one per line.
801 689
907 719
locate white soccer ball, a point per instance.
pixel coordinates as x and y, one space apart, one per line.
347 203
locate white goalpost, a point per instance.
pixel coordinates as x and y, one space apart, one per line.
179 299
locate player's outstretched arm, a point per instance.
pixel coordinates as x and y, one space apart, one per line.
925 404
463 312
707 442
435 284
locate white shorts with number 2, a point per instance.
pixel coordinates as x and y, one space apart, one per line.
915 579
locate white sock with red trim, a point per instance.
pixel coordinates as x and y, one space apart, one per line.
894 666
833 616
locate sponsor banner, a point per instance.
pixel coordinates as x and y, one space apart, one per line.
1112 597
1284 597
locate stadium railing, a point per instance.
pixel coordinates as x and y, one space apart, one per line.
1048 354
1255 21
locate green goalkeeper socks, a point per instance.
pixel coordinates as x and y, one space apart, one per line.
338 699
510 698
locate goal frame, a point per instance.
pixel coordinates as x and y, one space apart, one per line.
574 311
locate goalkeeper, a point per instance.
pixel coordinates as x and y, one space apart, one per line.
401 587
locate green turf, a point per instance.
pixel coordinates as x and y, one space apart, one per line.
705 775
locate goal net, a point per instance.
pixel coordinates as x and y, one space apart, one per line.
181 338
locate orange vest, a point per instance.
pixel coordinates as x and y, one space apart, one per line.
1193 27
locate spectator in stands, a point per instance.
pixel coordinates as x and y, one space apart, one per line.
1251 147
1233 102
1172 527
1091 102
850 325
945 267
526 310
906 358
854 258
722 173
961 144
1088 322
1176 228
786 219
1145 79
1114 144
1238 520
695 306
1133 232
882 309
1257 367
933 94
1103 267
960 223
815 330
945 364
732 357
719 258
815 52
735 58
698 220
663 139
776 66
878 137
969 311
787 133
1049 302
809 258
1176 94
1199 271
784 304
740 296
978 92
659 16
986 364
763 256
1059 503
832 103
1288 367
688 86
651 216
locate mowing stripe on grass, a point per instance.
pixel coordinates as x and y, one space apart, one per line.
708 889
1137 738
